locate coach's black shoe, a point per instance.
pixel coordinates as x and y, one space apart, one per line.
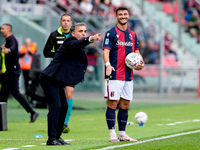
63 142
34 117
54 142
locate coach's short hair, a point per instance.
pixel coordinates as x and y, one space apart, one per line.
73 27
121 8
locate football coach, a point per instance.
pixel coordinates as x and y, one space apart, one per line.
66 69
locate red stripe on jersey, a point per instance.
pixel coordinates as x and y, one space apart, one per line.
120 74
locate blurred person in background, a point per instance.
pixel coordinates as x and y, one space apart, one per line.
86 6
192 26
2 66
92 56
54 41
26 52
10 83
168 46
119 41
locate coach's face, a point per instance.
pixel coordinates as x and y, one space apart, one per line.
122 17
80 32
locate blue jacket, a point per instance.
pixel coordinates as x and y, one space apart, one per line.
70 62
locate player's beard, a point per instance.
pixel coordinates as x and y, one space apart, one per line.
122 22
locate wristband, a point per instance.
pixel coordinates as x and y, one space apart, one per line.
108 63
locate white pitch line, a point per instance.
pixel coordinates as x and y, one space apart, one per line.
28 145
10 148
149 140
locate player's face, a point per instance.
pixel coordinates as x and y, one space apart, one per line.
66 23
122 17
80 32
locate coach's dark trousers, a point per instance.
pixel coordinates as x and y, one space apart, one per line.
10 84
57 104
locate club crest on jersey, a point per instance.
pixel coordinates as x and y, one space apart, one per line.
130 36
112 94
108 34
106 41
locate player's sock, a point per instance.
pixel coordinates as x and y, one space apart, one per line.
122 119
121 132
110 118
69 110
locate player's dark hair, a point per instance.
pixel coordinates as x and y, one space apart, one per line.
121 8
65 15
73 27
8 25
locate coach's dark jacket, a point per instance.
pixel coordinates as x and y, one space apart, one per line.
70 62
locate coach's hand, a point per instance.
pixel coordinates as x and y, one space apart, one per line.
95 37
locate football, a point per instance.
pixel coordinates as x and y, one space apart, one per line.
141 118
132 60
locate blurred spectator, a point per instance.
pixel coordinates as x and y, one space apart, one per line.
98 8
192 25
23 1
151 52
86 6
198 9
190 5
2 66
109 17
26 52
168 46
166 0
92 56
106 6
151 30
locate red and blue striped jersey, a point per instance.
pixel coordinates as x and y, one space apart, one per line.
120 43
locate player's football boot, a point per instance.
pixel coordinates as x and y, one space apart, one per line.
113 138
66 129
125 137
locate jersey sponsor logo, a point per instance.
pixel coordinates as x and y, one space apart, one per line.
106 41
59 42
124 43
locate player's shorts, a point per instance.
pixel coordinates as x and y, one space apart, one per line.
116 89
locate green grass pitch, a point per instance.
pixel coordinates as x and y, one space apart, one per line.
89 129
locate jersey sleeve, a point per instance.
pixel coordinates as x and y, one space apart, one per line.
107 44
